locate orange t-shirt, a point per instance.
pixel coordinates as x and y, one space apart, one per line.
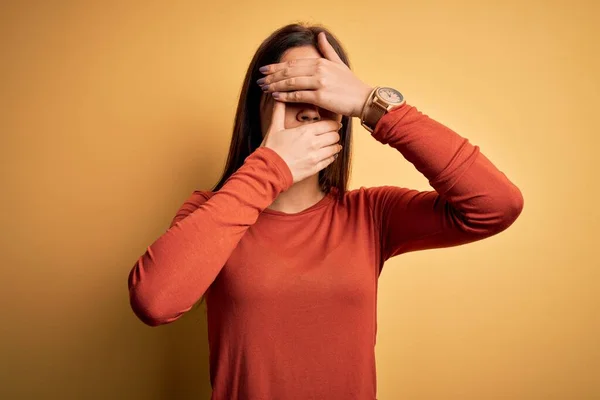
292 298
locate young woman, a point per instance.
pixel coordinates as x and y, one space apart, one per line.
287 258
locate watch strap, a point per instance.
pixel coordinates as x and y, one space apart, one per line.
373 114
376 107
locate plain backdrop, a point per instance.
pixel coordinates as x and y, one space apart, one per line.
113 112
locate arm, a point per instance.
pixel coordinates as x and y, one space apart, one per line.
472 198
177 269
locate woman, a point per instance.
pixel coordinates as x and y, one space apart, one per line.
287 258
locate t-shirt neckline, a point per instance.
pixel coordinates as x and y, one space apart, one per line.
319 204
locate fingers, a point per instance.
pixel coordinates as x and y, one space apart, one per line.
294 83
327 155
329 151
278 116
288 72
272 68
319 127
327 49
323 164
327 139
299 96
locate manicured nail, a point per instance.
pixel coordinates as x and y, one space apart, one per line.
261 81
263 69
275 94
265 88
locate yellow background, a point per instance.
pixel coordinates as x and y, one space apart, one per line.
112 113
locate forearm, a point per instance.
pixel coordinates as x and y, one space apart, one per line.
177 269
455 168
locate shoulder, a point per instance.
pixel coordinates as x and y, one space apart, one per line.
200 196
197 198
192 203
372 196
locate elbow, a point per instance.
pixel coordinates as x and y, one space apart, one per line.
146 304
146 314
499 213
157 299
514 206
509 209
150 312
145 310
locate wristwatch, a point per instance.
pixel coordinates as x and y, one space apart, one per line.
380 101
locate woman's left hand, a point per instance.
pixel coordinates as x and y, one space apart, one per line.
325 82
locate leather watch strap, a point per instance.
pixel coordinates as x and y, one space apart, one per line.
380 101
373 114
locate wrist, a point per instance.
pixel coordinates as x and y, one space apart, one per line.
363 99
383 100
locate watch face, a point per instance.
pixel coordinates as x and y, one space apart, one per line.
390 95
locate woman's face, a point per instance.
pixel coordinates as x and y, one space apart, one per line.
296 114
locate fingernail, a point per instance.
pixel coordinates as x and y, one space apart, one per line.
261 81
263 69
275 94
265 88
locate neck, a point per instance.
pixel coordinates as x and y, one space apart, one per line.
300 196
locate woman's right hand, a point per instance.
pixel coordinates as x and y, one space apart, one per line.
306 149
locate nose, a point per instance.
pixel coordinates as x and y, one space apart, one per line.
309 113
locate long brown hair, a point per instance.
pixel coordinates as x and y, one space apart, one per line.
247 134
